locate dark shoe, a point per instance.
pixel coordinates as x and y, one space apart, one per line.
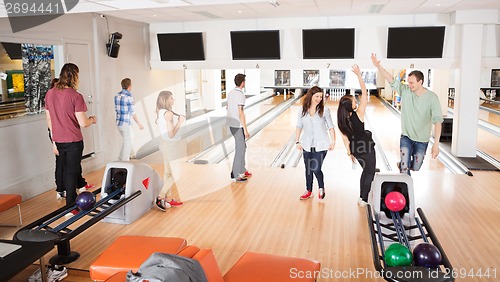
321 193
239 179
161 204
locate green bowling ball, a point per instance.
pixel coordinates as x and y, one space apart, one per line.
398 255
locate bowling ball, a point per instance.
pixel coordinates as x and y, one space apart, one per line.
85 201
427 255
395 201
397 255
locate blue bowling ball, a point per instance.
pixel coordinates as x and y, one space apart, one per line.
427 255
85 201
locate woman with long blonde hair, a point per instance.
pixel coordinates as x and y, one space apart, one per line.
169 129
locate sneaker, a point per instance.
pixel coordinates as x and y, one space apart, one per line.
36 276
86 187
321 193
60 195
247 174
239 179
174 203
71 213
57 274
398 164
362 203
306 195
161 204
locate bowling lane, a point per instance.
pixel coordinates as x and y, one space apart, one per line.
212 128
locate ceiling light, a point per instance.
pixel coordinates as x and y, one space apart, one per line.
375 9
275 3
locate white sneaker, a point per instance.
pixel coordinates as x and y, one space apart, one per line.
57 274
60 195
36 276
53 275
362 203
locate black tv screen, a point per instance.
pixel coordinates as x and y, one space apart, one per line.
336 43
181 46
13 50
415 42
255 45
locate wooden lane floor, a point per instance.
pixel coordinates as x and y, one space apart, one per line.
265 214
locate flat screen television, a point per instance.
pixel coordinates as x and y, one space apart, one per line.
335 43
13 50
181 46
255 45
415 42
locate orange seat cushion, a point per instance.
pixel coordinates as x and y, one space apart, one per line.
118 277
8 201
265 267
207 260
129 252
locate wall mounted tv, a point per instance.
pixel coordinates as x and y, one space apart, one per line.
415 42
255 45
181 46
336 43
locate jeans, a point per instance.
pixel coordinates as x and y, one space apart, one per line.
368 162
59 176
70 155
126 142
240 148
411 153
314 161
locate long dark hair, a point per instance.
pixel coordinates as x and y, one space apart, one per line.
306 103
343 113
68 76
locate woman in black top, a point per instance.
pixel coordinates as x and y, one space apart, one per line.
357 140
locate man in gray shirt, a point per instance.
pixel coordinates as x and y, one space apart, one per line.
238 126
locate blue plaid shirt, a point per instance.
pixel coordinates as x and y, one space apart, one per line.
124 107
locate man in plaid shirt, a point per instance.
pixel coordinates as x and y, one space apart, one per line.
124 107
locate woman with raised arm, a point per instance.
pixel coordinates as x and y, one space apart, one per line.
357 140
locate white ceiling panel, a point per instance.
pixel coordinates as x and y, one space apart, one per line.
202 10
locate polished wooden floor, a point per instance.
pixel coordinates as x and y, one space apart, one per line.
265 214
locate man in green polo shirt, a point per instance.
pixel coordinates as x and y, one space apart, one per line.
420 109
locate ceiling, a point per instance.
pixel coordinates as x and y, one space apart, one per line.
156 11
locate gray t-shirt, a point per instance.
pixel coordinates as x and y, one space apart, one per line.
235 98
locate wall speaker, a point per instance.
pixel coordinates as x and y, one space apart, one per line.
112 46
113 49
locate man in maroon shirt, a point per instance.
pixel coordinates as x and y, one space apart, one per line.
65 110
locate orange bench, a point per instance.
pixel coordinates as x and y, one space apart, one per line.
250 267
129 252
8 201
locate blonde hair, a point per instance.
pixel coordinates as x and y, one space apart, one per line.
161 102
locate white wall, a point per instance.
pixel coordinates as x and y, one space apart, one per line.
371 36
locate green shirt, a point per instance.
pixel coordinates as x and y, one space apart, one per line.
418 113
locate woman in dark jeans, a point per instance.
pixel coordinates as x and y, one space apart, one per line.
357 140
314 122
